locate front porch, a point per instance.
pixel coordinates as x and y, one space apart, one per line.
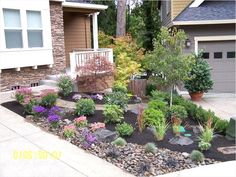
81 34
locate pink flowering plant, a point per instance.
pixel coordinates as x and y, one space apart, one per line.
69 131
23 95
81 121
97 125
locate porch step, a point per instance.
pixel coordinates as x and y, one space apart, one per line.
52 83
53 77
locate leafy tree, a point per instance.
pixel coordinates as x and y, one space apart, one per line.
145 23
168 64
107 18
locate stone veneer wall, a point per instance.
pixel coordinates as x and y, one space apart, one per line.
26 76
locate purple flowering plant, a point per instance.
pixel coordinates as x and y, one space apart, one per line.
39 109
54 110
53 119
88 138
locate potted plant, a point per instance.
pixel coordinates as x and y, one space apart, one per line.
199 80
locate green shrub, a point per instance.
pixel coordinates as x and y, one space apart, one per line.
124 129
219 124
119 142
49 98
178 111
203 146
150 148
118 98
206 135
158 95
119 88
153 117
193 111
65 85
113 113
158 105
160 131
199 79
150 88
196 156
85 106
28 107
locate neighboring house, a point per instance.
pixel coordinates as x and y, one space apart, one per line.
210 26
45 37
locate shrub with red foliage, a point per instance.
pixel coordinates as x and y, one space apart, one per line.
95 74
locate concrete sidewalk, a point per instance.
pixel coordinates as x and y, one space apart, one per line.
37 147
224 169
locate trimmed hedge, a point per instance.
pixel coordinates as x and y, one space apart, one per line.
195 112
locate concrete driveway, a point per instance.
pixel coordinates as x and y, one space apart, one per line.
224 105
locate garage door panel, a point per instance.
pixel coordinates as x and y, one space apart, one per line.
223 70
220 66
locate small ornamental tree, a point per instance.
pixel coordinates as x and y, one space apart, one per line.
167 63
95 72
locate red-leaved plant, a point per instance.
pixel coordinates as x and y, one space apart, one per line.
140 118
96 65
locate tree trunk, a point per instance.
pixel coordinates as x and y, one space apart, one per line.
121 18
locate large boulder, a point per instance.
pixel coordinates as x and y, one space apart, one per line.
230 131
105 135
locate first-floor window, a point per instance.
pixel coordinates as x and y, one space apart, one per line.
12 28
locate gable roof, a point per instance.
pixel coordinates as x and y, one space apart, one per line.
209 11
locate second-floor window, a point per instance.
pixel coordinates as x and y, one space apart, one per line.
12 28
22 35
34 29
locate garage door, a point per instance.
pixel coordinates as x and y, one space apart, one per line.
221 57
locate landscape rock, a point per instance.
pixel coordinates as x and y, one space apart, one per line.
105 135
181 140
67 121
185 154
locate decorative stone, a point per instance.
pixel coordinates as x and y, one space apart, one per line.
67 121
185 154
196 129
230 131
181 140
227 150
29 117
105 135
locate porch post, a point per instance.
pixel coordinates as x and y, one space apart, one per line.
95 30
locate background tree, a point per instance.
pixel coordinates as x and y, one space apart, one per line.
145 23
167 63
107 18
121 18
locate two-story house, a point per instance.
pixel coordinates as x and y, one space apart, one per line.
210 27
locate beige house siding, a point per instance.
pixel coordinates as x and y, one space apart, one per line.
77 29
178 6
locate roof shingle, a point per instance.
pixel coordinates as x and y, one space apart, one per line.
209 10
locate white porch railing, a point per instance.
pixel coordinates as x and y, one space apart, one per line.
79 57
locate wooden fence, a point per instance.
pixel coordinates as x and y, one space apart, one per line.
138 87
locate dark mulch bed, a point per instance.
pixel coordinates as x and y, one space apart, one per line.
146 136
86 95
